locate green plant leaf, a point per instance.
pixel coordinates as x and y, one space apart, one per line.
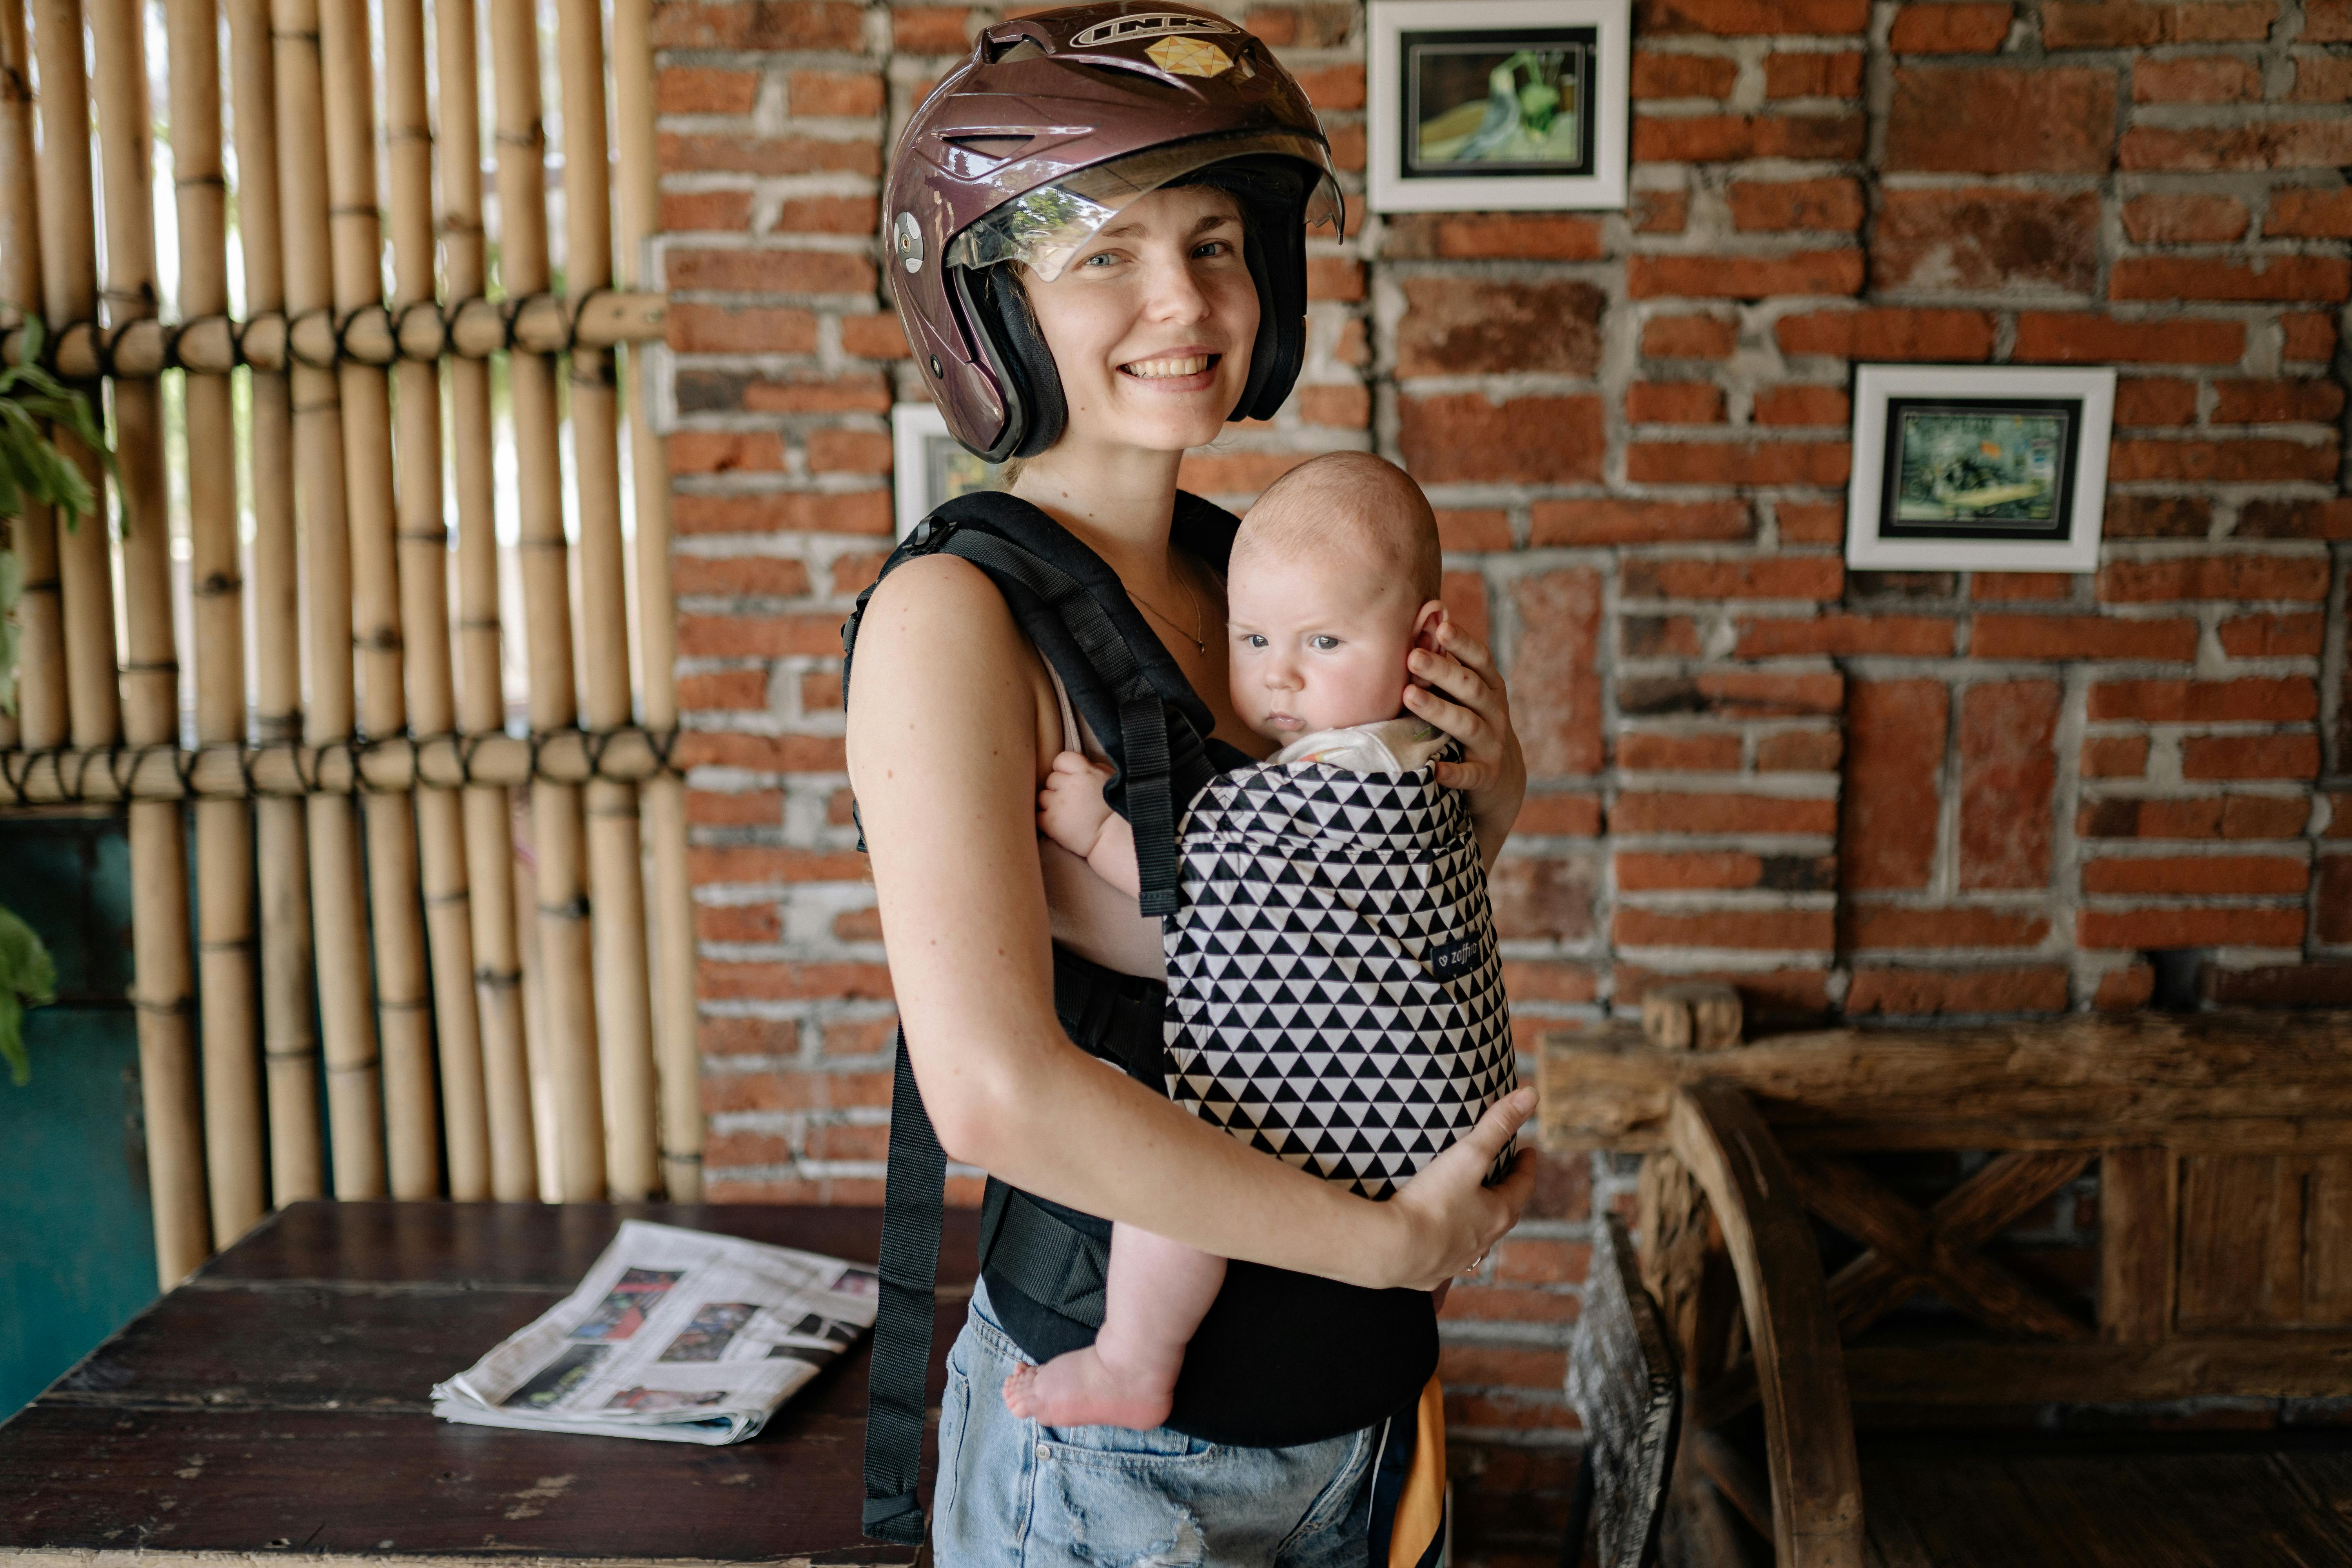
12 589
28 978
12 1040
29 397
32 470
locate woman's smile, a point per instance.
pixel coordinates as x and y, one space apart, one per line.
1183 370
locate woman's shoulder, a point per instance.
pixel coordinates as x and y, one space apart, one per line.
935 602
936 580
936 630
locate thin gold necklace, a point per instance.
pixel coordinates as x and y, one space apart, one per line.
1197 638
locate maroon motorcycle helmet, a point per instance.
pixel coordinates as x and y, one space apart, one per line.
1058 121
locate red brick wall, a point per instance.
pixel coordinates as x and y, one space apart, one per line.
1916 795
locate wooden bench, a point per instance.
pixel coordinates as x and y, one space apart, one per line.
2222 1146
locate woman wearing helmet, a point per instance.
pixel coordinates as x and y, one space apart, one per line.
1097 226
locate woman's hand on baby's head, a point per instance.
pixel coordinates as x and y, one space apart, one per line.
1430 623
1070 806
1456 687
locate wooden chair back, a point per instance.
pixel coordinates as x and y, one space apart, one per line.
1627 1390
2222 1145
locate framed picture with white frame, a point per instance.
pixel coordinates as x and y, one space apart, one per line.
1978 467
929 466
1508 104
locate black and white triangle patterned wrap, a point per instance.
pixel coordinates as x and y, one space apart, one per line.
1335 997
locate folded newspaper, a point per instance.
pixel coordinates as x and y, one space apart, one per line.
677 1335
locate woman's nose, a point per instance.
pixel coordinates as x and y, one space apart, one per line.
1175 294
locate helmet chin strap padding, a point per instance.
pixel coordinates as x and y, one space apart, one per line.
1041 382
1272 197
1281 347
995 309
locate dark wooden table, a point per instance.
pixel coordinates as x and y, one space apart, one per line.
277 1406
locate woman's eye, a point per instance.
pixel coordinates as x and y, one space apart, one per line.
1213 247
1099 258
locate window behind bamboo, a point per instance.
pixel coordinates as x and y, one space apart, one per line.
225 900
662 799
339 913
163 984
282 868
557 831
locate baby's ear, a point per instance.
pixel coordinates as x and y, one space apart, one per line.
1427 623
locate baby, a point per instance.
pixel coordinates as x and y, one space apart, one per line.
1333 582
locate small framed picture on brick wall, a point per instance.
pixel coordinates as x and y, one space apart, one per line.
928 466
1510 104
1978 467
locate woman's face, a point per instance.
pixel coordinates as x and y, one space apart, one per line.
1150 324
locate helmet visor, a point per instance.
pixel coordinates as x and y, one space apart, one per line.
1044 227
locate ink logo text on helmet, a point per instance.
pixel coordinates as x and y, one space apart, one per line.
1148 27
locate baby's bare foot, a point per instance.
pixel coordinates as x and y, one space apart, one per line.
1080 1390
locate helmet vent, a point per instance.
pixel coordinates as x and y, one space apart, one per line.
1015 50
1128 74
997 147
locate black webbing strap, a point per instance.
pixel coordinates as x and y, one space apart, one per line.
1144 763
1089 624
1057 1266
911 1202
1150 806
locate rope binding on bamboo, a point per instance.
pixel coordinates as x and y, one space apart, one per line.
107 774
423 331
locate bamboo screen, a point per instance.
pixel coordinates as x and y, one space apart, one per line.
354 764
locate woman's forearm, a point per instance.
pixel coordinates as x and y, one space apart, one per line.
1491 820
1051 1120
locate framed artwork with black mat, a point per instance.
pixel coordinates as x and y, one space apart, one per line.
1513 104
929 466
1978 467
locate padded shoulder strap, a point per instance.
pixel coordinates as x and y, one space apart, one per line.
1120 680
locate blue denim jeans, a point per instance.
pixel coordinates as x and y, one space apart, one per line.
1013 1492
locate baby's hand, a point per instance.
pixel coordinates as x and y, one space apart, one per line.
1070 808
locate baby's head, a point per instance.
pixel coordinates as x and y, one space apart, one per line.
1334 578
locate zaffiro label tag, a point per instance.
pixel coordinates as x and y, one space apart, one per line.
1453 959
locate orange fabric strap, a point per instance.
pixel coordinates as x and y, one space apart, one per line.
1419 1530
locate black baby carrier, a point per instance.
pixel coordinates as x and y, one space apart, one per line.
1282 1358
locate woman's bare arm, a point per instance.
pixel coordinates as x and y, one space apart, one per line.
944 754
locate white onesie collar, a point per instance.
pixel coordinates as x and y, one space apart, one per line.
1399 745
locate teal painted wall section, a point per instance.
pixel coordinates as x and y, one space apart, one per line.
77 1253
